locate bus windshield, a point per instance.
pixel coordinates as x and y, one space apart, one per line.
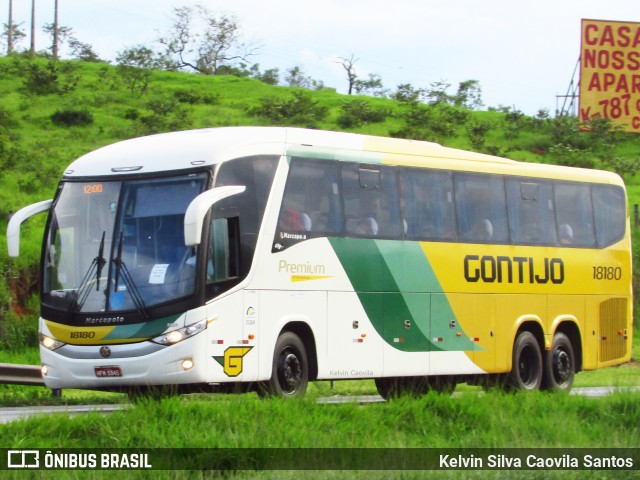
119 245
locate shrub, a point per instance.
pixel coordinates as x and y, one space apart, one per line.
301 110
358 113
54 78
71 117
167 115
194 98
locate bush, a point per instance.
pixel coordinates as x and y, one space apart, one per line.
358 113
54 78
70 118
477 132
301 110
193 97
167 115
434 123
18 328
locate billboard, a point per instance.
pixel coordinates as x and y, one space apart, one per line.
610 72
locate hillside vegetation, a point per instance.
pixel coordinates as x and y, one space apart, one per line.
53 112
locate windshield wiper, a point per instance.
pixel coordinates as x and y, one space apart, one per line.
84 289
122 270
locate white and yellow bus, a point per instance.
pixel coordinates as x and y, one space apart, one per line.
270 257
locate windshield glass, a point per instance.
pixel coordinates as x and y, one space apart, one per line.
116 246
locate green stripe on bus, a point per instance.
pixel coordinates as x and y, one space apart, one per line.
141 330
395 282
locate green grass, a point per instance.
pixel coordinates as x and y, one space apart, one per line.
495 420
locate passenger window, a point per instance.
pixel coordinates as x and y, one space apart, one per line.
426 200
481 208
531 215
574 215
311 200
370 201
609 210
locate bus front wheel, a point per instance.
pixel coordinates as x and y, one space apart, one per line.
290 369
559 365
526 369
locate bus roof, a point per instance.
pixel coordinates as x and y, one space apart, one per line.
188 149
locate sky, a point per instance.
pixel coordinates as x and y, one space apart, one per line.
522 53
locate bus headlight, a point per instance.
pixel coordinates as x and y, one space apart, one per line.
181 334
50 343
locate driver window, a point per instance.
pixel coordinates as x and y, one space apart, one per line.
222 250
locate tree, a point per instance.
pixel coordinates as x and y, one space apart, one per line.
59 35
437 94
469 95
13 35
297 78
349 66
83 51
405 92
207 52
10 29
372 86
271 76
136 65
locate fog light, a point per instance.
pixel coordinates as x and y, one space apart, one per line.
44 370
187 364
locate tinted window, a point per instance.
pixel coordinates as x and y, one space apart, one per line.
481 208
370 201
573 214
311 200
428 210
256 174
609 209
531 215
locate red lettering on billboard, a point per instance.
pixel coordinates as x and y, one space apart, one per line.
609 79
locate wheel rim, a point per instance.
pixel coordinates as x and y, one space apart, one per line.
527 368
561 366
289 371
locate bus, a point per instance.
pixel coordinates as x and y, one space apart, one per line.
264 258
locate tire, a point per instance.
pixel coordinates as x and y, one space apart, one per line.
390 387
290 369
559 365
394 387
445 384
526 369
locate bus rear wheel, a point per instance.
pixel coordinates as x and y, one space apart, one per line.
290 369
559 365
526 368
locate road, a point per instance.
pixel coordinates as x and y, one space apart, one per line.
14 413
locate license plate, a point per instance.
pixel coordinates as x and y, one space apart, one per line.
108 372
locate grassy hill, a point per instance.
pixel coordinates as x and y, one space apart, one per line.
51 113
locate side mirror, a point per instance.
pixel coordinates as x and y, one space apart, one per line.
13 228
198 208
